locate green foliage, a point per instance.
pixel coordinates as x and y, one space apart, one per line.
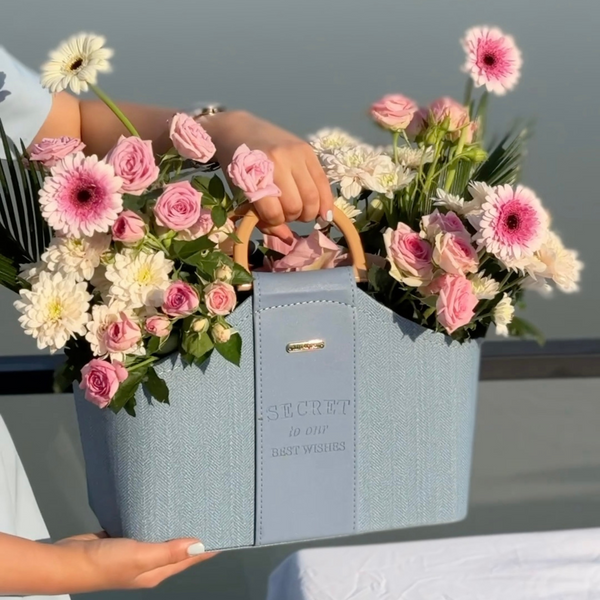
126 392
156 386
521 328
232 349
196 345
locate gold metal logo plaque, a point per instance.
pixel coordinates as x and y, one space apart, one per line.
308 346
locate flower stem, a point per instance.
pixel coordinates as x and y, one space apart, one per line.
118 112
144 363
461 144
395 136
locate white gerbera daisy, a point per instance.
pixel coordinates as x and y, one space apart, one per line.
503 315
348 208
139 278
79 256
102 317
485 288
55 309
76 63
449 201
327 141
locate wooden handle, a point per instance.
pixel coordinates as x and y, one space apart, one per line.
341 221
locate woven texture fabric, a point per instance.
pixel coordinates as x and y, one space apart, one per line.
189 468
417 394
186 469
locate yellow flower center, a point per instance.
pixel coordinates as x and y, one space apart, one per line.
55 310
144 275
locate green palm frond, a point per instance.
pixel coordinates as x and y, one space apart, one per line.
505 160
20 212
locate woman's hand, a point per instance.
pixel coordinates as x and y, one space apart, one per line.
91 563
305 190
106 564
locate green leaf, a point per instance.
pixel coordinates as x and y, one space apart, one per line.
379 278
219 215
216 188
207 263
127 389
185 250
135 203
64 376
156 386
521 328
201 184
153 345
240 275
232 349
196 344
130 407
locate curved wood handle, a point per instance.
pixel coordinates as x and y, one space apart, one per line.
341 221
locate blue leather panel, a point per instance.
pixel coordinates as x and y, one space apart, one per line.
306 402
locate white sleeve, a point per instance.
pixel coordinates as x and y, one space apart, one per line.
24 103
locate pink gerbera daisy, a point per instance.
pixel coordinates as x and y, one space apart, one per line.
493 59
513 223
82 196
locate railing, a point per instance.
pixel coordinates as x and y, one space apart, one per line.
501 361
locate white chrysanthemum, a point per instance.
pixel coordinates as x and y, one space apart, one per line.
413 158
76 63
327 141
503 315
79 256
449 201
388 178
348 208
139 278
479 192
353 168
102 316
31 272
55 309
560 264
485 288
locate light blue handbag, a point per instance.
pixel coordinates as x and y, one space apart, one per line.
346 418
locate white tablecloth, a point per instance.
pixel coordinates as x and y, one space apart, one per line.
558 565
19 512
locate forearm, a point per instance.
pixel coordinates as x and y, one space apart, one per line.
28 568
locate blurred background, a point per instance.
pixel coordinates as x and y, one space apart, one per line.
315 63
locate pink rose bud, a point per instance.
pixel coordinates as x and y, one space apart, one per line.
180 299
224 273
252 172
122 335
394 111
190 139
220 333
456 303
455 114
455 254
438 222
178 207
50 151
201 325
409 256
220 298
129 228
100 380
133 161
158 325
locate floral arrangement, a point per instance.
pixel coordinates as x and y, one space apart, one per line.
128 258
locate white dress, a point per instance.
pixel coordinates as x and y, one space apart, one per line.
24 106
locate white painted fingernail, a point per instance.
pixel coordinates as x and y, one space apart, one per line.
321 224
329 216
196 549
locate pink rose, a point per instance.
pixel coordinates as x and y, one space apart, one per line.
220 298
180 299
252 172
178 207
409 256
438 222
456 303
100 380
133 161
418 123
50 151
190 139
122 335
394 111
202 226
129 228
158 325
457 114
455 254
311 253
